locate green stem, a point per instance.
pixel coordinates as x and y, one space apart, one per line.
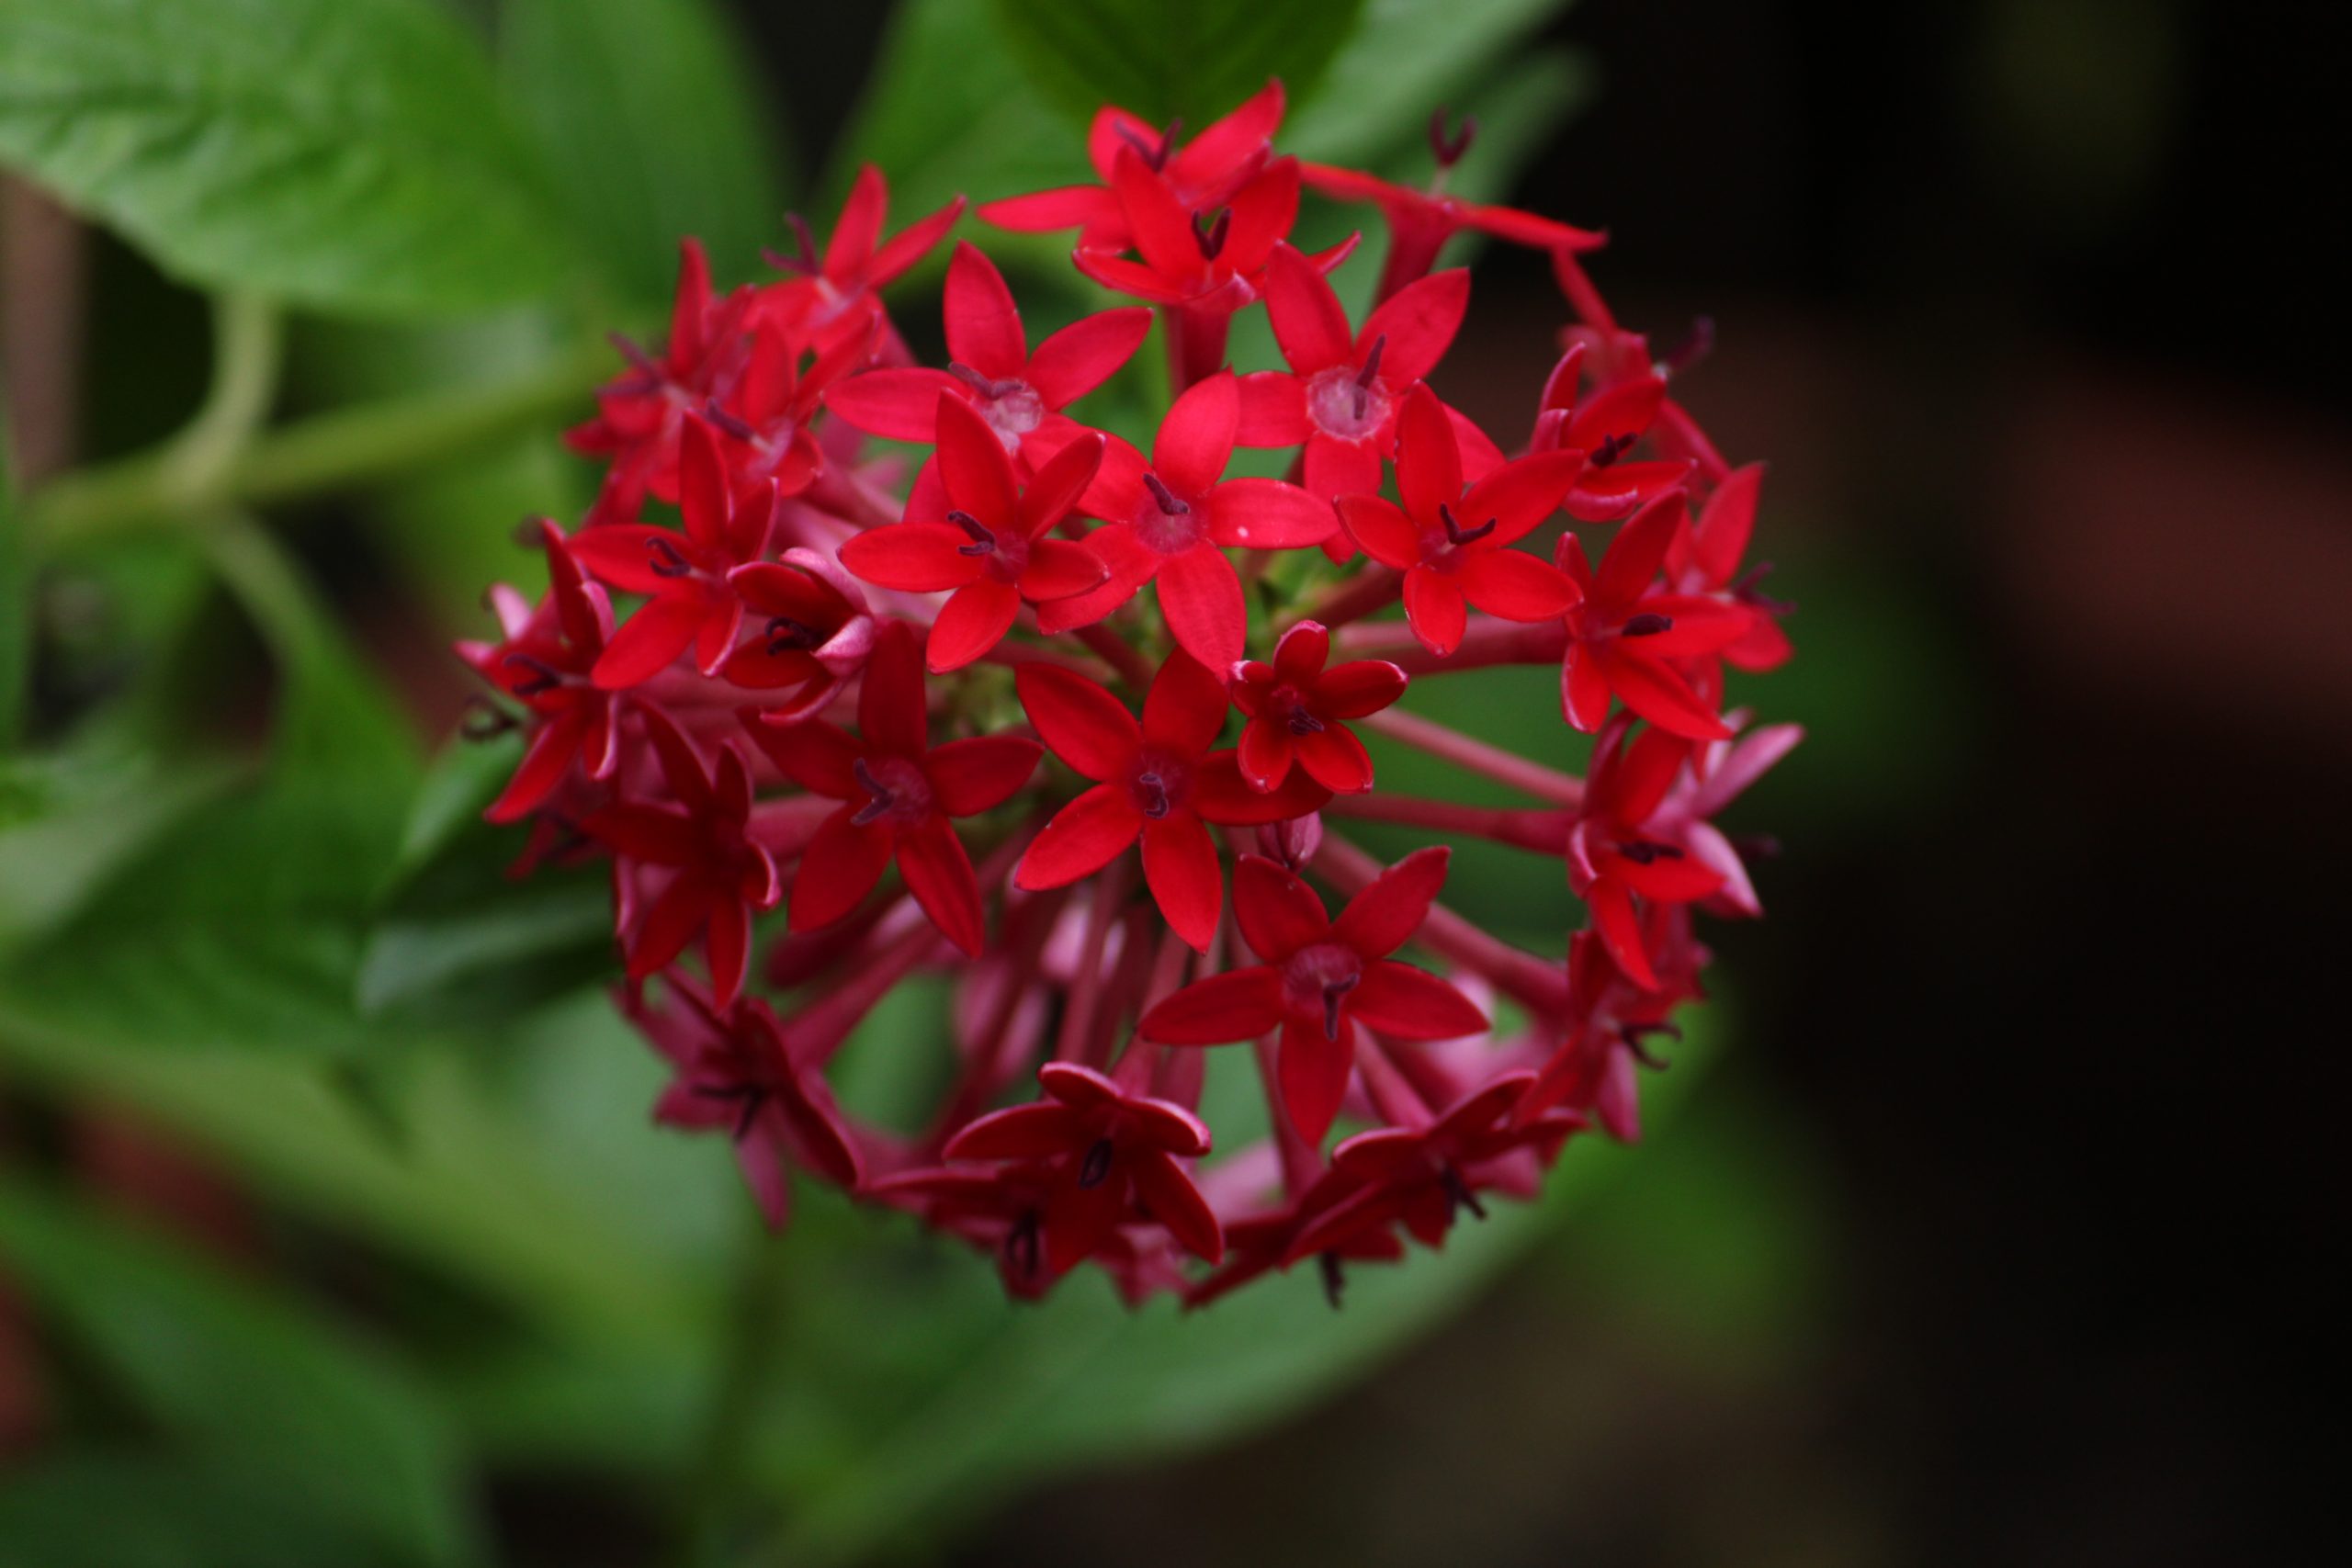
327 452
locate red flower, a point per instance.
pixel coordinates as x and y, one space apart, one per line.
1158 782
898 793
1612 856
1592 1068
768 412
836 297
1450 543
692 604
639 416
544 665
721 876
1202 174
819 633
1424 1177
1108 1148
1319 979
1706 559
1295 708
991 550
1604 426
1624 634
735 1069
1341 394
1420 222
1167 527
1019 394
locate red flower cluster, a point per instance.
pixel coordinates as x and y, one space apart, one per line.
891 724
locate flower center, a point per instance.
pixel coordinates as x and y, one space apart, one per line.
897 792
1161 783
1011 406
1166 523
1004 554
1316 980
1290 705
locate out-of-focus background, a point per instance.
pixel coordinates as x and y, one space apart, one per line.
1994 1228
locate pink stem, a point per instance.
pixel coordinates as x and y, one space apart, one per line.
1395 1099
1196 343
1077 1007
1131 665
1477 756
1487 644
1546 832
1368 594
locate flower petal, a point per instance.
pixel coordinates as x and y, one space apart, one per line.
1083 723
650 641
1196 437
1517 586
1184 709
1310 328
972 622
1187 881
1382 532
1039 1130
1273 409
1413 1004
914 558
939 874
1200 596
1278 913
1267 514
1173 1199
890 711
1383 917
1083 837
973 467
983 323
981 773
895 403
1428 460
1312 1070
1419 321
1240 1004
1085 354
1435 607
840 867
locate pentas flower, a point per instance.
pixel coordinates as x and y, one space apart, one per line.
836 297
1158 782
1321 979
1297 705
544 664
692 602
718 875
1340 398
1453 544
1172 523
807 722
1020 394
1625 632
898 793
1109 1150
1421 221
989 550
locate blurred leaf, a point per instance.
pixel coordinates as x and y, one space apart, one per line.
242 926
655 128
349 155
246 1377
126 1510
1170 59
913 1394
1406 59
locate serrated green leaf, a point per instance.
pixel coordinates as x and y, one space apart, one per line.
248 1378
655 128
1170 59
347 156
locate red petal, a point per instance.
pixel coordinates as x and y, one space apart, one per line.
814 755
1419 321
1200 596
1720 537
840 867
916 557
1309 326
1413 1004
1644 773
1653 690
981 773
1517 586
1383 917
650 641
973 467
970 624
1519 495
1638 550
675 920
1240 1004
1584 688
1227 145
1175 1203
1336 760
1263 211
622 554
1222 795
1039 1130
1434 606
1278 913
1043 212
1615 413
1184 710
1313 1069
1058 569
1612 912
701 485
1128 277
1130 566
1273 409
890 711
1267 514
1080 1219
1162 229
898 404
939 874
1428 460
1196 438
1265 753
1358 688
1383 533
645 833
983 323
1187 881
1336 469
907 247
1083 724
1084 837
545 762
727 948
1084 355
1060 481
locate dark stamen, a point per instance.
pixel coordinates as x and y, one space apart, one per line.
1370 370
1691 350
545 677
1335 1279
983 541
1097 1165
1154 790
980 383
1756 846
1645 851
1333 990
804 262
1459 1192
1633 1035
485 720
1165 497
1748 593
1456 533
883 800
528 535
1304 723
1448 149
740 429
784 634
1209 236
1649 623
754 1096
634 352
1612 448
669 560
1155 155
1020 1245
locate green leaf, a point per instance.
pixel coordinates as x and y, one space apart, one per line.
349 155
16 602
250 1378
655 128
1167 59
126 1510
1408 58
244 925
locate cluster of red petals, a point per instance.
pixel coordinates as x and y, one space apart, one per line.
1077 718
